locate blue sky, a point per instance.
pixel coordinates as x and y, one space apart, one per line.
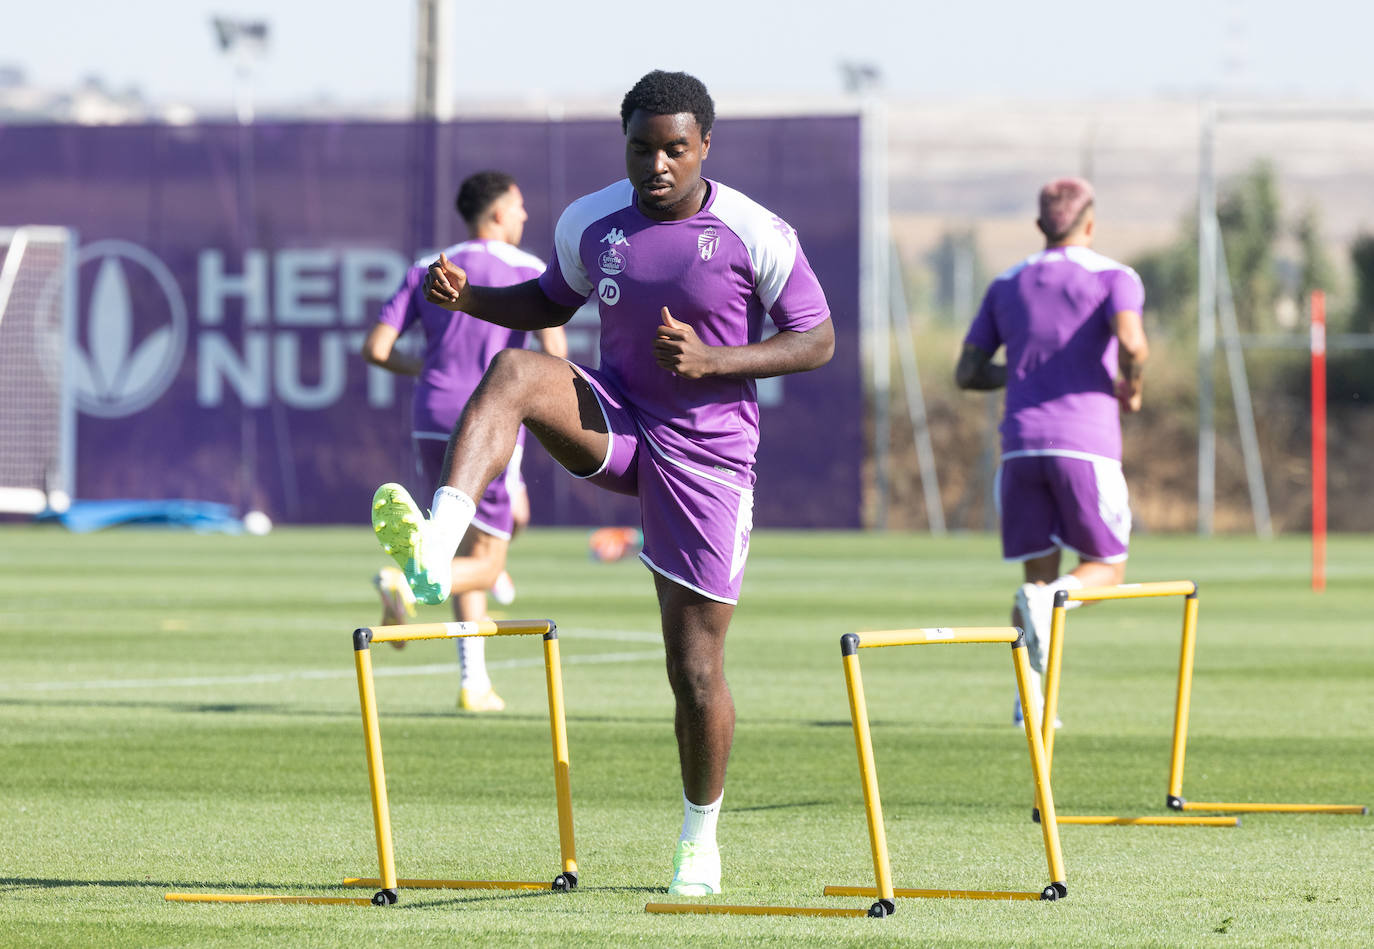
556 48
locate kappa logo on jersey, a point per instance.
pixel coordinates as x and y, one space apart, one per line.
614 237
612 262
785 229
609 291
707 242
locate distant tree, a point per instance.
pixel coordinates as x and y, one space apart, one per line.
1249 215
1362 259
1169 274
1315 269
959 275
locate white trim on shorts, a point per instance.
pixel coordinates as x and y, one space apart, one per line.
1078 553
605 417
492 531
1059 452
681 582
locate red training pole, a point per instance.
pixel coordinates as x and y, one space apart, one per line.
1318 440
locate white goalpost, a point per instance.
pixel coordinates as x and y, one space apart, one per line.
37 331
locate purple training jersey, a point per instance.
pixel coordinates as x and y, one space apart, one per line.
721 271
1053 312
458 347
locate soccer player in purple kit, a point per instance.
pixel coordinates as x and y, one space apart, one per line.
685 270
457 351
1070 320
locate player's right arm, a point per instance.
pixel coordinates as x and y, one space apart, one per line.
977 371
523 306
380 349
1132 351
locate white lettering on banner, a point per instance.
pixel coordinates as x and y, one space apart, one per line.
271 364
216 287
367 279
286 363
298 276
220 363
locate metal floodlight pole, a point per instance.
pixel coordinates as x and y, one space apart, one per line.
1206 321
433 59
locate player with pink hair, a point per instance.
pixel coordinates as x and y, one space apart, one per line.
1070 320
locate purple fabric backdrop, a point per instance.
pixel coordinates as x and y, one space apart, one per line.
227 277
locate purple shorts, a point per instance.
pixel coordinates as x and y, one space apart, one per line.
494 515
1076 503
696 524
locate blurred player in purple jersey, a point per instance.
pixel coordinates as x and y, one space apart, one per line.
686 271
457 351
1070 320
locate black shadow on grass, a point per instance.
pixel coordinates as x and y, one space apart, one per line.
502 897
779 807
192 708
38 883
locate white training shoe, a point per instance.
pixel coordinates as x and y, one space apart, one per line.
1035 603
503 590
398 600
696 869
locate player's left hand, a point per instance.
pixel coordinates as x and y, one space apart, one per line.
678 349
1129 394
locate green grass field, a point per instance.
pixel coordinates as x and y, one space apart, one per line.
180 714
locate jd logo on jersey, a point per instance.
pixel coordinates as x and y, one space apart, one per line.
609 292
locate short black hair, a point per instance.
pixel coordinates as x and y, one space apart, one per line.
668 93
479 192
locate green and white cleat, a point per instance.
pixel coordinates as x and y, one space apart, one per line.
403 531
696 869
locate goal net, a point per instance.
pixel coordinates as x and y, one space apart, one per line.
37 411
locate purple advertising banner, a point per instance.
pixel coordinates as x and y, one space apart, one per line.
227 276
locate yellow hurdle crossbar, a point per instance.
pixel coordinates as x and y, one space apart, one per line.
451 884
1274 808
937 894
1182 703
254 898
724 909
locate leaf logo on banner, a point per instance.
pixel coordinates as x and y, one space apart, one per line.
117 377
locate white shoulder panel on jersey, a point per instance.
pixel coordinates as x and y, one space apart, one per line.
513 256
770 241
576 218
448 252
1092 261
1017 268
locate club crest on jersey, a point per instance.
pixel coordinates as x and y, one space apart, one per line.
612 262
707 242
615 236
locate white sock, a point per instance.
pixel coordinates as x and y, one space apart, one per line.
472 654
1068 582
699 820
449 517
